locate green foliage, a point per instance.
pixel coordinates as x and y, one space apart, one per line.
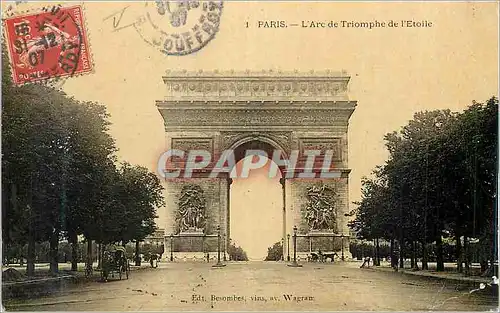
59 173
137 194
275 252
15 252
236 253
439 180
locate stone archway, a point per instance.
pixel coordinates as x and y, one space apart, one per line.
286 111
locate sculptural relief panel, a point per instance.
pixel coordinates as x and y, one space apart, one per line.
320 211
323 144
256 88
253 117
187 144
191 209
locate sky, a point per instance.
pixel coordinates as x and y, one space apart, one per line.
395 72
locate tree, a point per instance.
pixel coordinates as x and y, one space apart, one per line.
275 252
236 253
141 194
33 157
92 151
60 176
439 181
54 148
414 179
475 138
373 218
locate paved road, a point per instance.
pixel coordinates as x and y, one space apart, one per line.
264 286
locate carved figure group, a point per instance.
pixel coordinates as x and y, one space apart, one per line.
191 208
320 210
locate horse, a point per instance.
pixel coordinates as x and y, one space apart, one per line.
314 257
330 256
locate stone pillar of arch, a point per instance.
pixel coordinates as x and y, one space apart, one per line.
289 111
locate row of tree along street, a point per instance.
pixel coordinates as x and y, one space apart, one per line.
61 179
16 253
438 185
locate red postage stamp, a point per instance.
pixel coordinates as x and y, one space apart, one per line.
50 44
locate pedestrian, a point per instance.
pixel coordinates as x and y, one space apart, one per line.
153 259
366 262
494 285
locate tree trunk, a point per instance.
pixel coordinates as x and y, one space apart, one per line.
439 252
53 252
377 251
393 257
89 261
484 266
493 257
74 251
415 252
9 202
425 265
458 253
30 266
137 256
401 255
30 258
5 207
466 256
412 257
99 255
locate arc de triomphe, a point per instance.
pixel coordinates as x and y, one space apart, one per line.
269 110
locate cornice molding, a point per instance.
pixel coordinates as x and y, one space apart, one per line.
251 85
255 117
239 104
340 129
249 75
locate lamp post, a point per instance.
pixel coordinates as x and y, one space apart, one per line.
288 247
219 263
224 247
171 247
294 263
342 243
282 257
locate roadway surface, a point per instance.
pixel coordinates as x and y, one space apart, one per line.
265 286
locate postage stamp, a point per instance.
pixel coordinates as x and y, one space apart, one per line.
50 44
179 27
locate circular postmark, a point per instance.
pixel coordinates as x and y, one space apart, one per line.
47 46
179 27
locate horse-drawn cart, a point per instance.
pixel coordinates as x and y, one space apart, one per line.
115 262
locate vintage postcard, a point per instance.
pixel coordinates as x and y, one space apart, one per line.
249 156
